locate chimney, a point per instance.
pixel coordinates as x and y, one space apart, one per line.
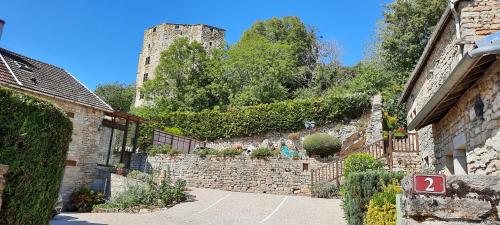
2 22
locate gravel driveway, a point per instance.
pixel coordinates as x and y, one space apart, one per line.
224 208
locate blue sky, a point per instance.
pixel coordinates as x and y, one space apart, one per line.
99 41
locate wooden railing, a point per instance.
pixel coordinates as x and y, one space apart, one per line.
380 150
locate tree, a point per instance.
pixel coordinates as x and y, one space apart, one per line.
186 79
405 30
119 96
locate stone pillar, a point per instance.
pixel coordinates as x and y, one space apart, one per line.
3 170
373 132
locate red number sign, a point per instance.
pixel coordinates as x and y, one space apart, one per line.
431 184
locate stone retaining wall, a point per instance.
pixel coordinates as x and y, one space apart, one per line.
3 170
272 175
470 199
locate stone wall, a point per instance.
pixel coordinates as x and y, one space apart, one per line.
3 171
243 174
470 199
481 136
160 37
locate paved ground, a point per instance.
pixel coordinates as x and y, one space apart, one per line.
214 207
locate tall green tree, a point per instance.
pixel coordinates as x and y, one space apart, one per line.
119 96
405 30
185 79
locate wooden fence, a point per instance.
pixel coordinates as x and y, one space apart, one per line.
380 150
183 144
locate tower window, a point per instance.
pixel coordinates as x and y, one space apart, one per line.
210 44
145 78
154 29
149 45
147 60
212 30
177 27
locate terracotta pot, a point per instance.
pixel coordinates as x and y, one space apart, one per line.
121 171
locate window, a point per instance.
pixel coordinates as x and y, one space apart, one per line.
154 29
149 46
145 78
212 30
210 44
177 27
147 60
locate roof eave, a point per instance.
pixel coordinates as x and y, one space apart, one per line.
460 70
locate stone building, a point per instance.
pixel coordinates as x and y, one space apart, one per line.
453 94
160 37
92 118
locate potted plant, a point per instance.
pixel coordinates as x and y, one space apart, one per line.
120 169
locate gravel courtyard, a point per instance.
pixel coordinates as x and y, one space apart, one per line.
224 208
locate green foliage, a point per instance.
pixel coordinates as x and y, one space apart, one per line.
174 130
246 121
325 190
136 174
159 195
84 199
230 152
263 152
405 30
207 151
118 96
34 140
162 149
360 187
360 162
120 166
321 144
382 206
186 79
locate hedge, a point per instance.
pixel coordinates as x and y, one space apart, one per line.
34 139
359 189
246 121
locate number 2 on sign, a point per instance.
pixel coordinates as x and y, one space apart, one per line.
430 187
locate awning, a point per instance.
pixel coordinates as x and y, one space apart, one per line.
468 70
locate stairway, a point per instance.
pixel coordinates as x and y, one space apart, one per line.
398 154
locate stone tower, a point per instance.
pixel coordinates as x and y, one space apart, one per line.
160 37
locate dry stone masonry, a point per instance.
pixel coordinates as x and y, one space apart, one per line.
272 175
470 199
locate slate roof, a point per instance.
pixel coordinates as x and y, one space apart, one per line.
46 79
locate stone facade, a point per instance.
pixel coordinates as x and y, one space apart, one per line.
160 37
481 136
470 199
82 148
3 171
373 132
243 174
477 19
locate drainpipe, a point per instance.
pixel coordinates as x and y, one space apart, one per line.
456 16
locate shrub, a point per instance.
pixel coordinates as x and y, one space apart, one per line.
230 152
325 190
360 162
382 206
34 139
207 151
360 187
162 149
262 152
174 130
159 195
136 174
321 144
246 121
294 136
84 199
